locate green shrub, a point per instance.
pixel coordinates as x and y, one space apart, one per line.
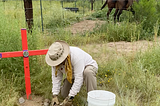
150 60
61 18
99 14
146 14
123 31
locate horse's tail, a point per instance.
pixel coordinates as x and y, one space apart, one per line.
104 5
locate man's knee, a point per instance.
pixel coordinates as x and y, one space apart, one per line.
88 73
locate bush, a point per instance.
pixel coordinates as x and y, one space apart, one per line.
119 32
146 14
61 18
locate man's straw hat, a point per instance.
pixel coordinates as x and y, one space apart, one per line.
57 53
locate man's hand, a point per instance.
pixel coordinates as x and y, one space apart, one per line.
67 101
55 101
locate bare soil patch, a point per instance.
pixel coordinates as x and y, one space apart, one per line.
86 25
34 101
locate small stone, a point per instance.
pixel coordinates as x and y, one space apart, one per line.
21 100
46 102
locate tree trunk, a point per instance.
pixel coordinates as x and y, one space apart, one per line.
28 13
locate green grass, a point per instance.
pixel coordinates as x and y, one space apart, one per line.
128 77
134 78
8 92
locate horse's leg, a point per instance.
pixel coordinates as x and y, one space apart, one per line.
132 10
115 14
109 11
119 13
123 8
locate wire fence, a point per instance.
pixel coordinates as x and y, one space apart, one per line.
45 10
48 13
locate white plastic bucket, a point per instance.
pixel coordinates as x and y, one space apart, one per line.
101 98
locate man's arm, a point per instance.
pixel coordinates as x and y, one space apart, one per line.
56 81
78 78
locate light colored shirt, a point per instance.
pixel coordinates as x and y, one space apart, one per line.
79 60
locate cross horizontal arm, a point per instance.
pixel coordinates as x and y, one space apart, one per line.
37 52
11 54
20 53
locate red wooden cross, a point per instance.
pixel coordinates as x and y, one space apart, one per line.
25 54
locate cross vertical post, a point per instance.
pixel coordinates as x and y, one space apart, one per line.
26 62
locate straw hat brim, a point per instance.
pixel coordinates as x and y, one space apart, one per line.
60 59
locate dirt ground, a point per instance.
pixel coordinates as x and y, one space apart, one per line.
83 26
89 25
120 47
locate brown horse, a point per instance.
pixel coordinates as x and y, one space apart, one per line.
119 5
